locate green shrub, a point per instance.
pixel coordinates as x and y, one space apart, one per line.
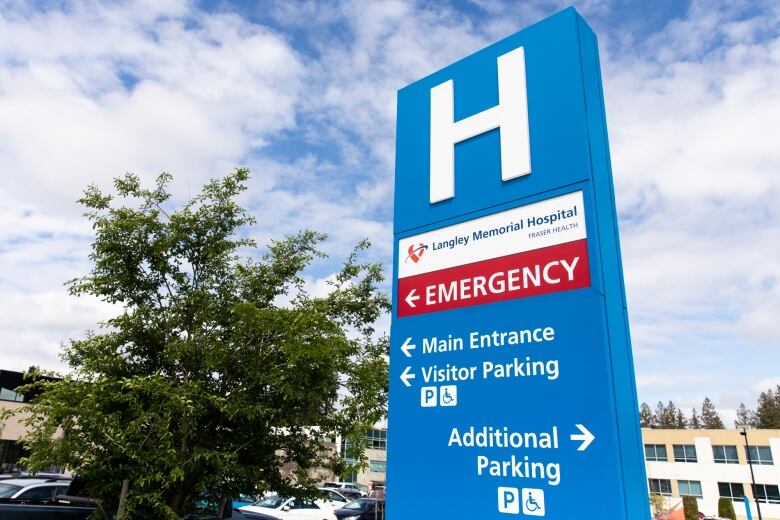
691 508
657 503
726 509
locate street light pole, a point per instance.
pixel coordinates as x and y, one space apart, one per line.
752 476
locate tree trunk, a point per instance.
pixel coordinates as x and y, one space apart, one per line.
221 509
121 512
180 498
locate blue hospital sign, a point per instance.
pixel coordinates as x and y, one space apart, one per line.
512 387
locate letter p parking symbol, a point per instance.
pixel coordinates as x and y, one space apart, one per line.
508 500
429 396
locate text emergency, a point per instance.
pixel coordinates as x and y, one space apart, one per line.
556 268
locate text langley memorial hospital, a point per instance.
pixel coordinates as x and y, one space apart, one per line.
530 222
510 227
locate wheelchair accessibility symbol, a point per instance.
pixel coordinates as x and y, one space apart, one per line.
448 395
533 502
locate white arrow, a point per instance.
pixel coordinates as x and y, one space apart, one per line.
411 298
406 376
586 437
406 347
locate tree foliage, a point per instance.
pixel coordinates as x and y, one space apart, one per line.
767 413
745 418
695 422
726 508
217 369
710 419
765 416
680 422
690 508
646 416
666 416
657 503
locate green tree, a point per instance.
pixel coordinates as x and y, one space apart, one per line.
726 508
768 409
646 416
695 422
666 415
680 422
691 508
745 418
657 503
709 416
217 369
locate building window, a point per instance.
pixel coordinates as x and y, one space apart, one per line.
759 455
690 488
10 395
347 452
684 453
660 486
378 466
725 454
767 493
656 452
377 439
10 453
731 490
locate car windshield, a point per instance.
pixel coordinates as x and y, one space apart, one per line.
360 504
272 502
6 490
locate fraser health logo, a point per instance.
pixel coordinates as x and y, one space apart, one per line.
415 252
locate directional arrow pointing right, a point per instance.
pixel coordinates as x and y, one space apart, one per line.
406 347
411 298
406 376
586 437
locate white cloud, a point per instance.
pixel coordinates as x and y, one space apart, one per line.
130 87
768 383
93 90
35 324
695 170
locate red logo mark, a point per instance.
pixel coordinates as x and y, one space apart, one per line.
416 252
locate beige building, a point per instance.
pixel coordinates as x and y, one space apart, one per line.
375 474
710 464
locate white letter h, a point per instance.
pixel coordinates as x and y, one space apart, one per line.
510 115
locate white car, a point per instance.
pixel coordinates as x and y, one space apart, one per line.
32 488
332 498
274 507
349 486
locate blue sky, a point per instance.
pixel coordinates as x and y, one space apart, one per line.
304 94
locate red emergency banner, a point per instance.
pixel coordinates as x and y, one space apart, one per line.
551 269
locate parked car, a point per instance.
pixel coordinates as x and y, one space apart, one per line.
332 498
243 500
351 494
346 486
203 507
362 509
275 507
53 510
20 489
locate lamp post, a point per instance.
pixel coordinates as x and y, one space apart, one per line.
752 476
